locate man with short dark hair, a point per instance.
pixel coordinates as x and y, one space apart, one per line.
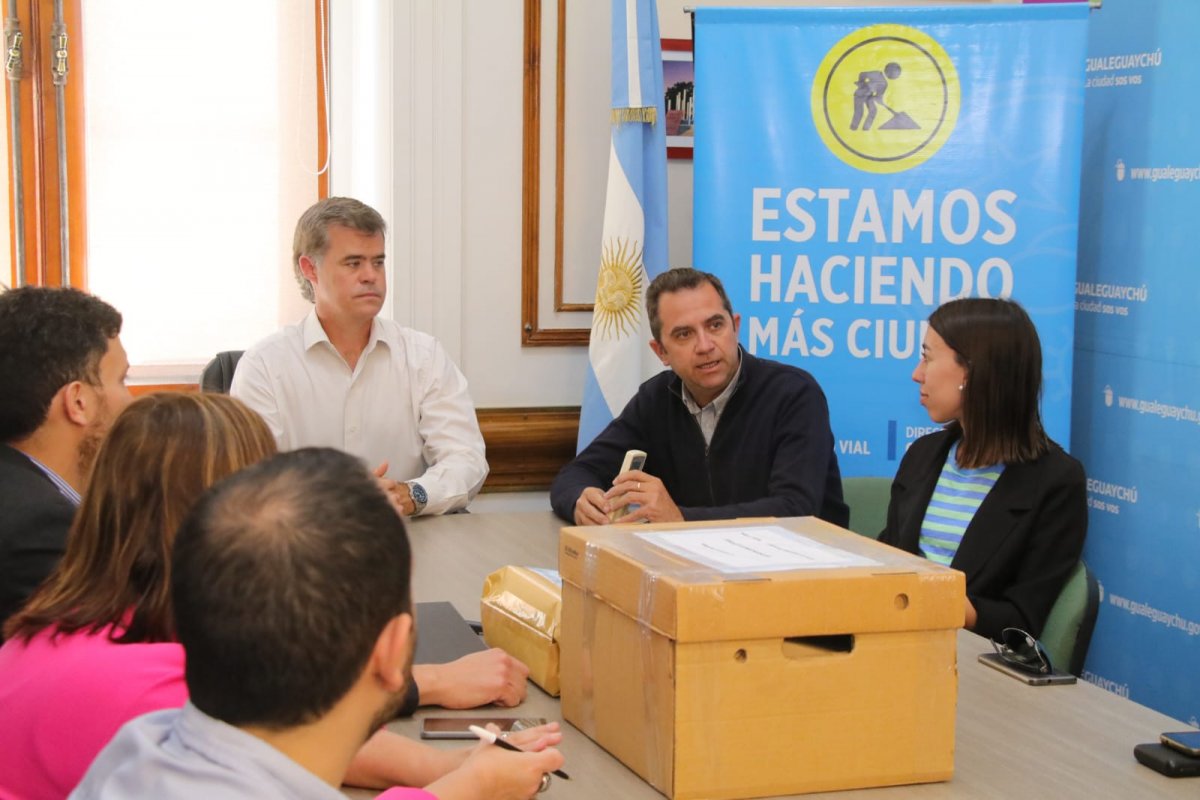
726 434
62 382
291 588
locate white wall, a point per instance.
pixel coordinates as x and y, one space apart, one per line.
427 116
432 91
501 371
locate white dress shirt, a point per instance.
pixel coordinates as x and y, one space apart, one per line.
708 416
405 402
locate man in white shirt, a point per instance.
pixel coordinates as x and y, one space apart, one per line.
343 377
390 395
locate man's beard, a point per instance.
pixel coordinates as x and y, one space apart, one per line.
392 707
92 439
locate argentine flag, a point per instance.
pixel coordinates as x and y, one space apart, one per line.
634 243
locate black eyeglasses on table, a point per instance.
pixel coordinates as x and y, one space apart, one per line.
1018 648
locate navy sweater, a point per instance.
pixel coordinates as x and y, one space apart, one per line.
772 453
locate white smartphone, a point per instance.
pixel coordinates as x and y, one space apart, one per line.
634 459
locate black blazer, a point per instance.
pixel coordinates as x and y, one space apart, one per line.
1025 538
34 520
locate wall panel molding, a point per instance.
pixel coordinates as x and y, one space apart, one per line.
526 447
532 202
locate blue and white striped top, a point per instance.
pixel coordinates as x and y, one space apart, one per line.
956 498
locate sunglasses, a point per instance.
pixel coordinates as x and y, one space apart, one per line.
1018 648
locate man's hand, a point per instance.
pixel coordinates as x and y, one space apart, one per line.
492 773
492 676
389 759
532 739
396 491
591 508
653 500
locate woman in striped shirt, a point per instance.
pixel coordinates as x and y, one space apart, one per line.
990 495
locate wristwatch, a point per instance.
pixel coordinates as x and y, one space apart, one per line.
419 497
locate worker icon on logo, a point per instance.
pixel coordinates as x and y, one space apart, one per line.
869 94
894 67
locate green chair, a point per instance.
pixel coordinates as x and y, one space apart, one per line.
1068 631
868 500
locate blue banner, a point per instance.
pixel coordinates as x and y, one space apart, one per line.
1137 376
855 168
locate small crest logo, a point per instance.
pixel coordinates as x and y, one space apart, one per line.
1120 170
619 289
1108 395
885 98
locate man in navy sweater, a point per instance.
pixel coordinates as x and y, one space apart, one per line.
726 434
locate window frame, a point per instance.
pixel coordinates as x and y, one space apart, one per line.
35 99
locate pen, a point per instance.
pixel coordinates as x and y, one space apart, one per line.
485 735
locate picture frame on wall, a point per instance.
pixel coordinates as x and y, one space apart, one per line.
679 91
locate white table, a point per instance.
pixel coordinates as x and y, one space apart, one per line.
1012 740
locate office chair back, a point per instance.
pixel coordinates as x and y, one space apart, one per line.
218 373
1068 631
868 500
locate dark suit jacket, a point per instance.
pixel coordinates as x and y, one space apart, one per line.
34 520
1023 542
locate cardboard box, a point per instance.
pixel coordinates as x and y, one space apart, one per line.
521 610
722 685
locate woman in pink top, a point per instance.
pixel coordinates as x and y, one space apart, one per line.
94 646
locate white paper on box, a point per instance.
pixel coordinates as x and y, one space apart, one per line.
753 549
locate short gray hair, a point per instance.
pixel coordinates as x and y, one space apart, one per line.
312 231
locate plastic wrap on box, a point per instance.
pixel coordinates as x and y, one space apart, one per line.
521 610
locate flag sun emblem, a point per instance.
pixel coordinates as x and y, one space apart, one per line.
618 289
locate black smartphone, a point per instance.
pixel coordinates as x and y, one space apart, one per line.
994 661
1186 742
1171 763
459 727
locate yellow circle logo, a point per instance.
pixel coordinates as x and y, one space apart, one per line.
885 98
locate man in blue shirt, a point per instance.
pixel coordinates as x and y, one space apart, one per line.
291 587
